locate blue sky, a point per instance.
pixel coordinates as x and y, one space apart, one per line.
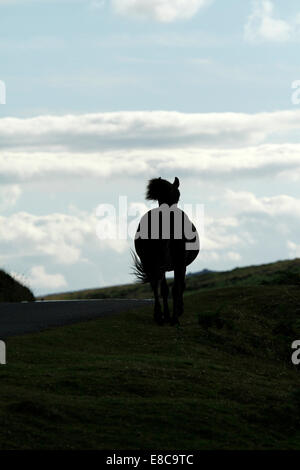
63 57
101 96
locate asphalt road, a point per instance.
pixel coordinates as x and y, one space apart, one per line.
28 317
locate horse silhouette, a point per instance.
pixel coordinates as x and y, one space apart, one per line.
166 240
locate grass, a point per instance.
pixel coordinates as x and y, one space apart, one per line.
279 273
223 379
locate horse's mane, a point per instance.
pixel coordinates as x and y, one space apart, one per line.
162 190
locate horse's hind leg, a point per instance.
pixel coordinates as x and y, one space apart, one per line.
158 315
177 291
164 290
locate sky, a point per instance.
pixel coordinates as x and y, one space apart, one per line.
99 96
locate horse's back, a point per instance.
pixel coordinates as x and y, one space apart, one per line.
166 236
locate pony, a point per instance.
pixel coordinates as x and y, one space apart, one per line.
165 240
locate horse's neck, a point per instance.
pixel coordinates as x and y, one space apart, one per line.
164 203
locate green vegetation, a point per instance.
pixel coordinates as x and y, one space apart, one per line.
13 291
280 273
223 379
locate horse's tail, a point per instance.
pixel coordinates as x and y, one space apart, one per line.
139 269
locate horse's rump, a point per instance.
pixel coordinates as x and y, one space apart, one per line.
166 237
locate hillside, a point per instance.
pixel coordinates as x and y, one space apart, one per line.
13 291
279 273
223 379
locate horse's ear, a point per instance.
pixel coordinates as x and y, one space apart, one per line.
176 182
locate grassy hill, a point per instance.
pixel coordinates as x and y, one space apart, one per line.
223 379
279 273
13 291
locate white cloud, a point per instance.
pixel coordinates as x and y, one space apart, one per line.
143 129
19 278
260 228
97 4
250 229
263 25
210 148
294 249
220 233
59 237
40 279
9 195
282 205
165 11
233 256
67 241
269 160
12 2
